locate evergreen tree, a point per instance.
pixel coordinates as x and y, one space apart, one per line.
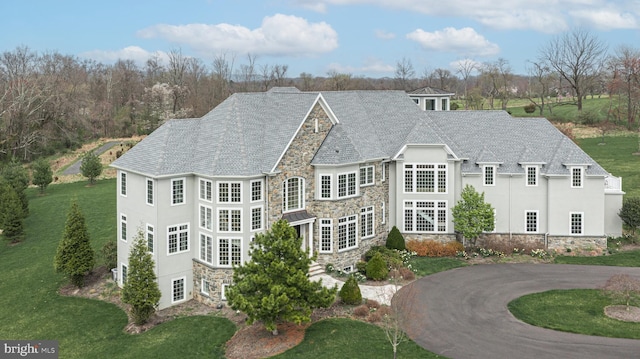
141 289
91 167
274 286
630 213
74 256
377 267
18 178
350 292
395 240
42 174
11 213
472 215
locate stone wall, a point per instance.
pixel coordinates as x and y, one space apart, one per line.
216 278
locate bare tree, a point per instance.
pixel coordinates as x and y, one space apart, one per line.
623 287
338 81
465 68
404 74
539 90
625 65
176 77
577 56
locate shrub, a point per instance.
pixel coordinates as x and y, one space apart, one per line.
109 253
630 213
407 274
372 304
434 249
374 317
454 106
587 117
377 268
361 311
395 240
391 257
530 108
361 267
350 292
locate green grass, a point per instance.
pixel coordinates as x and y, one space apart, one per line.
622 259
428 265
577 311
566 111
344 338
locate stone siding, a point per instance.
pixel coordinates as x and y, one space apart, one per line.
216 278
438 237
558 244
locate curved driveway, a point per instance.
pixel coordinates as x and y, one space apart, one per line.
462 313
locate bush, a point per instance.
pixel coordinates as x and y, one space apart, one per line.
630 213
434 249
372 304
350 292
361 267
109 253
395 240
530 108
361 311
374 317
391 257
587 117
377 268
454 106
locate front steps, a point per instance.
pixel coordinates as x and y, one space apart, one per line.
315 269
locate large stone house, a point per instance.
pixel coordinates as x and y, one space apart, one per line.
343 168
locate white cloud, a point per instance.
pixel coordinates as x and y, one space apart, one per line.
381 34
279 35
370 66
135 53
606 19
313 5
465 41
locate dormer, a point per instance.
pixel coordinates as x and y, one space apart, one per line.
431 99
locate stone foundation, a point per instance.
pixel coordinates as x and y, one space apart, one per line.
216 278
558 244
441 238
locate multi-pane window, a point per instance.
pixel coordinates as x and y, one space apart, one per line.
293 194
223 291
178 238
229 220
177 290
205 190
123 183
256 190
576 222
150 237
256 218
123 276
366 222
346 184
532 175
325 186
531 221
149 191
425 178
177 191
230 192
206 217
326 235
347 233
206 248
229 251
205 287
576 177
425 216
383 215
489 175
366 175
123 227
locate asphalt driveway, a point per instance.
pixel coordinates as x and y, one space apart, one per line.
462 313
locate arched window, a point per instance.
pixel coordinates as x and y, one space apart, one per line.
292 194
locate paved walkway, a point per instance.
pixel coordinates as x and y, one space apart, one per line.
382 294
462 313
75 167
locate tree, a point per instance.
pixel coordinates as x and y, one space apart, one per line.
74 256
274 286
11 213
377 267
577 57
350 292
18 178
623 287
141 289
626 78
404 74
395 240
91 166
542 76
472 215
630 213
42 174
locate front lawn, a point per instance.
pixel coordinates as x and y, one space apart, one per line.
424 266
621 259
577 311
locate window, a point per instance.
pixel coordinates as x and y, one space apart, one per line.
576 222
229 192
366 222
346 184
205 190
149 191
223 291
384 172
178 238
425 178
429 104
425 216
256 218
532 176
229 252
382 214
123 183
206 217
205 288
489 173
326 236
177 191
123 227
229 220
256 190
444 105
531 221
325 186
206 248
367 176
123 276
177 289
347 233
576 177
150 239
293 194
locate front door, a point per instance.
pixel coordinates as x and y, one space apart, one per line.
304 232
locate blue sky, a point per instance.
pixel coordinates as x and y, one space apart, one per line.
360 37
